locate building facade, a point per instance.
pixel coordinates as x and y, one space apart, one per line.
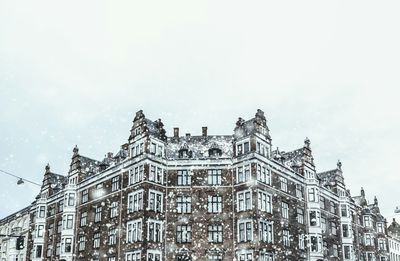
14 231
206 197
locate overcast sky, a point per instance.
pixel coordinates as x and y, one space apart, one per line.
75 72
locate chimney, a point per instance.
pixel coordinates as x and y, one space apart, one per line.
176 132
109 155
204 131
187 136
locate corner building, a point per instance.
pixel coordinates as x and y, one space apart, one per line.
208 197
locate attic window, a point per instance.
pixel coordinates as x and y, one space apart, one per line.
185 153
214 152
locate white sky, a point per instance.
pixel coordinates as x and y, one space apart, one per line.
75 72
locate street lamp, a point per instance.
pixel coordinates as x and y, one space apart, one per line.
20 180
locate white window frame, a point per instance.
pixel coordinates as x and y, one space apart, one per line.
264 205
134 234
242 195
132 206
157 206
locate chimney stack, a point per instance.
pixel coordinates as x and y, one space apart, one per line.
204 131
187 136
109 155
176 132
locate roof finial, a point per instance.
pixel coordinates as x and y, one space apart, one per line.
47 168
307 142
375 201
339 165
76 150
362 192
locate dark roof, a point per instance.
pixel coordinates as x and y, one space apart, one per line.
199 146
17 214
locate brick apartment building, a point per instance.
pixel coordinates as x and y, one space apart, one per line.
207 197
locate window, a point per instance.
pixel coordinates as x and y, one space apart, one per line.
134 232
183 257
42 212
333 228
59 226
115 183
311 195
367 221
343 211
332 208
314 218
98 191
215 233
112 236
245 230
382 244
114 210
285 210
299 191
154 230
49 230
316 243
68 221
284 184
300 215
39 230
97 214
96 240
156 174
265 256
85 196
264 201
214 204
369 239
245 255
261 148
60 206
322 202
133 256
323 224
82 243
214 257
285 237
335 252
345 230
347 253
153 255
184 178
184 204
184 233
243 148
244 200
155 201
136 174
70 199
301 241
214 177
68 245
243 173
38 251
135 201
263 174
265 231
380 227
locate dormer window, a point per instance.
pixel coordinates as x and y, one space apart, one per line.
215 150
185 153
137 131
